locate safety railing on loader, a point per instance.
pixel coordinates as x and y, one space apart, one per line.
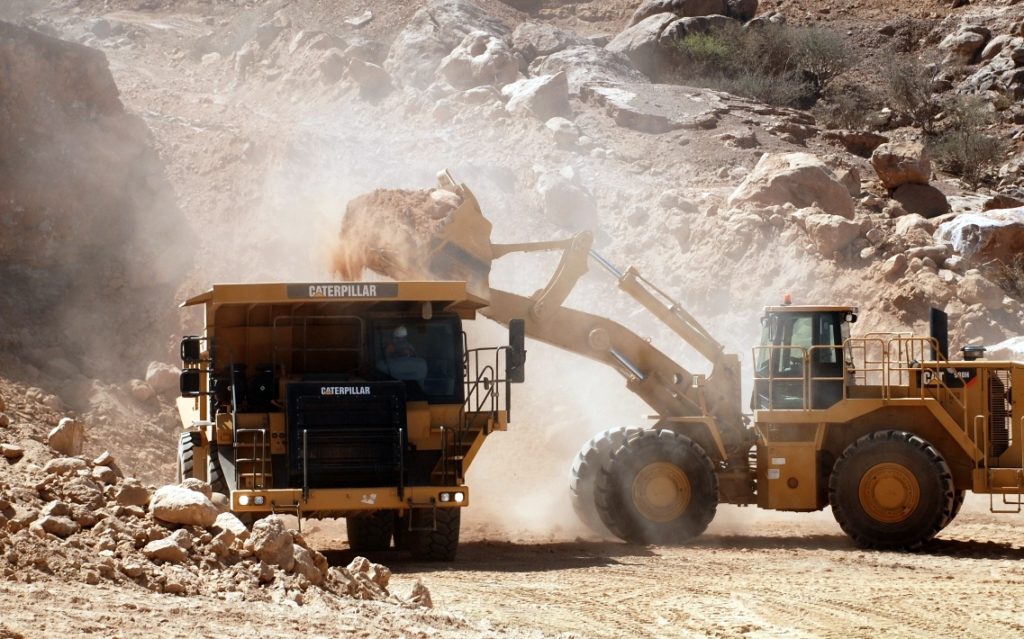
789 377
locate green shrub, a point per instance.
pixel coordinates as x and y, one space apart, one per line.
776 64
822 56
908 87
847 105
961 145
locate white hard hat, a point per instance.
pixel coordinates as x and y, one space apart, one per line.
401 332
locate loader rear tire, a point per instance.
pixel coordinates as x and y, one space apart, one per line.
187 444
659 487
891 490
371 533
440 543
585 470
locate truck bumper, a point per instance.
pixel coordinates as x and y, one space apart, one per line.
345 500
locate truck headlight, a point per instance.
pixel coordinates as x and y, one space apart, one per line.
243 500
446 497
258 500
460 497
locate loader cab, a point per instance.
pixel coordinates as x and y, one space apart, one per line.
800 362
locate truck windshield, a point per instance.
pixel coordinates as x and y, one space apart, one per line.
426 355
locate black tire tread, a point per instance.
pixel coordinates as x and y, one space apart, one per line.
371 533
608 496
585 470
440 544
214 473
187 443
909 540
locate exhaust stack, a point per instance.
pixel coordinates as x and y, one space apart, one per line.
939 331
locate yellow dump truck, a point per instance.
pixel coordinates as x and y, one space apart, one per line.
361 400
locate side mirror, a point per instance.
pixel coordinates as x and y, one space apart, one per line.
190 350
190 383
515 361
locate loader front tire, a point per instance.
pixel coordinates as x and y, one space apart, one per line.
659 487
371 533
431 540
585 470
892 490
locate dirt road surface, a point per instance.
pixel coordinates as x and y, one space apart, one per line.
754 574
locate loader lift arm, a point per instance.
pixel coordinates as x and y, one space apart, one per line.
707 409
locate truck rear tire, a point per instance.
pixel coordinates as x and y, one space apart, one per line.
442 542
585 470
659 487
891 490
371 533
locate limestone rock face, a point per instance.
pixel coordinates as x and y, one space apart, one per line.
586 65
800 179
537 39
178 505
86 206
543 97
432 33
480 59
689 8
981 237
640 42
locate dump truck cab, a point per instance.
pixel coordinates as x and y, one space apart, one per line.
360 400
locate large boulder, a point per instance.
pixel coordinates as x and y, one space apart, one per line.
975 288
800 179
964 46
923 199
831 233
680 28
431 35
742 9
565 201
640 42
901 163
162 378
982 237
68 437
177 505
586 65
272 543
166 550
536 39
543 97
480 59
686 8
88 219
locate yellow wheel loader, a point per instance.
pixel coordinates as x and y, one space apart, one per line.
361 400
885 428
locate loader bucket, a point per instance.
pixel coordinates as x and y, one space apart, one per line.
430 234
462 248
